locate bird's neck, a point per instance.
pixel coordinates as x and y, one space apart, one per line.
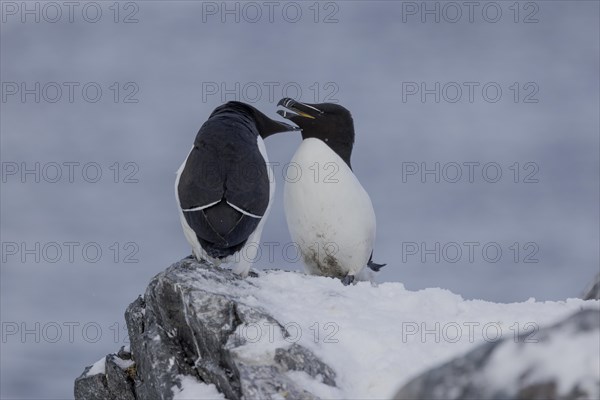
342 148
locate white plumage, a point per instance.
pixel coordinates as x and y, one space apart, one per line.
329 214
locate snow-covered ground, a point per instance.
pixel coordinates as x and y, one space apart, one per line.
377 338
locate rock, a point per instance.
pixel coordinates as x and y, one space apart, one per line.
522 368
91 387
115 382
297 358
592 292
193 321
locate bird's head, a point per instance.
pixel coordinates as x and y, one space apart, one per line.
265 125
328 122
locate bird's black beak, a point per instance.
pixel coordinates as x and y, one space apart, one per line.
286 127
268 127
296 109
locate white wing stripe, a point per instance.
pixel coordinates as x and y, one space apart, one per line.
232 205
200 207
244 211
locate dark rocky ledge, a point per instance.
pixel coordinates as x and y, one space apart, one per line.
185 325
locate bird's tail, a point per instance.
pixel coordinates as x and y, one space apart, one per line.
374 266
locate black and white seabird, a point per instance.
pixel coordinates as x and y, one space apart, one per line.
225 185
329 214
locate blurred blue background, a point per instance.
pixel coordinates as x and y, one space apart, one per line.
162 67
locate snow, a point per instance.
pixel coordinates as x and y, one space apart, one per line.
99 367
263 339
313 385
376 338
123 364
193 389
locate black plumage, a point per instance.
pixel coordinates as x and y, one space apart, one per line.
223 188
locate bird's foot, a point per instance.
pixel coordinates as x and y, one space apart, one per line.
348 279
242 269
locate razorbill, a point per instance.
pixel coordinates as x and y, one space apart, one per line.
329 214
225 185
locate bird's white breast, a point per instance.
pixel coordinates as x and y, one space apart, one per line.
329 214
